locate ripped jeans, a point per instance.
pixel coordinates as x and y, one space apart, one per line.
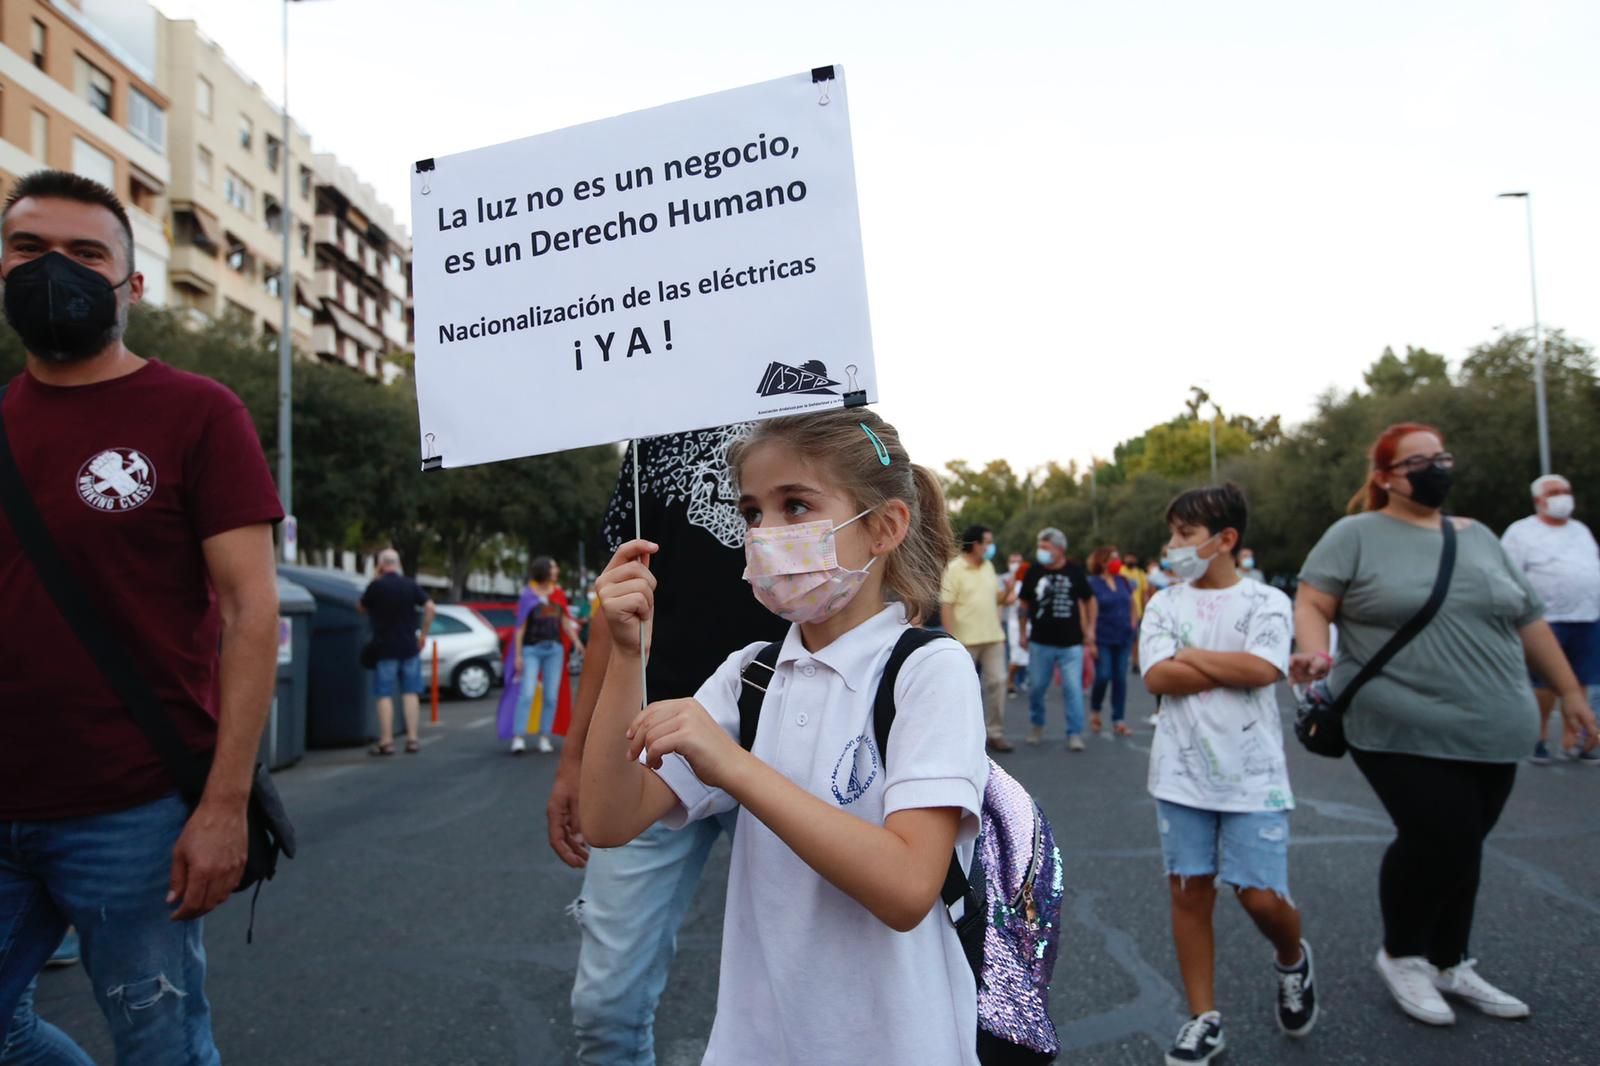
1245 849
633 901
107 875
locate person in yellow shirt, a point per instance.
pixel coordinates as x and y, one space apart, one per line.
1133 570
969 600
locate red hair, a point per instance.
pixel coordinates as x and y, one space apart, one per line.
1372 496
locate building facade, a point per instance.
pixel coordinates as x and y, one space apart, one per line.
74 98
363 275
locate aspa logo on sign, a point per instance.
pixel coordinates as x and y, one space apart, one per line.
117 479
809 378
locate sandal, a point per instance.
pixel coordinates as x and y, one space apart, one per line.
1094 722
381 749
1122 730
412 747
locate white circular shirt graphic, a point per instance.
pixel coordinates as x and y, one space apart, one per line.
117 479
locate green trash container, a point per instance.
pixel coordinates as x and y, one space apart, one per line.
284 742
340 709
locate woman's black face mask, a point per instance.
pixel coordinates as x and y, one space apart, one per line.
1430 485
62 310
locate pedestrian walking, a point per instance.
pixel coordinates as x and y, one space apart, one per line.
1439 731
538 658
635 897
1116 628
153 488
1559 557
1214 648
969 609
1057 614
835 942
1016 654
391 601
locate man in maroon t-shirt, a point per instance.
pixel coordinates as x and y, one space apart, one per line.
155 490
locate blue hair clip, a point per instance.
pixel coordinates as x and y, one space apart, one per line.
883 453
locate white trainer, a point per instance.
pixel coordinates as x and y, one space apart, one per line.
1411 983
544 744
518 745
1463 982
1035 734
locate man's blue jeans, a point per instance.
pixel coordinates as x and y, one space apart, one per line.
1043 659
107 875
634 899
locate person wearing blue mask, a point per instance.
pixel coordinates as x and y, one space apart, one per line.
970 597
1058 613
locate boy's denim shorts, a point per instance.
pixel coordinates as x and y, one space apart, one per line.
392 674
1243 849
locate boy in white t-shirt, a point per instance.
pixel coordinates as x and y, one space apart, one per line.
1213 646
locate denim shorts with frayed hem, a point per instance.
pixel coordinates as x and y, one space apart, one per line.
1243 849
395 676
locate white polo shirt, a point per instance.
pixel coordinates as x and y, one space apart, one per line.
808 974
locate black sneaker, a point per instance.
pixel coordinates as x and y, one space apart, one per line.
1200 1040
1297 996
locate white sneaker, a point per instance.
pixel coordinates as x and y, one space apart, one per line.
1411 983
1074 743
544 745
518 745
1035 735
1463 982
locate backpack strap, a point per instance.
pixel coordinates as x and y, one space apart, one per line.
753 682
913 639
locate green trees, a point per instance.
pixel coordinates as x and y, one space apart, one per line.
357 485
1300 480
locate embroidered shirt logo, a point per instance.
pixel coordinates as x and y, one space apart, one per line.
117 479
858 766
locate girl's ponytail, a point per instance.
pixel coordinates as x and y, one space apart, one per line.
915 569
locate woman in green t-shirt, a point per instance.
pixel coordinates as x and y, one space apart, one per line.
1439 732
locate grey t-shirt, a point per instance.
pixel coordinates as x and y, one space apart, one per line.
1460 689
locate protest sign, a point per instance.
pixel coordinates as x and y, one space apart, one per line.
687 266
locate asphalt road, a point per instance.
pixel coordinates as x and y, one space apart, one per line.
424 924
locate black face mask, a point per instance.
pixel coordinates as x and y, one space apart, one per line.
62 310
1430 485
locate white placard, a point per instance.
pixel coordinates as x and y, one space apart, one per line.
688 266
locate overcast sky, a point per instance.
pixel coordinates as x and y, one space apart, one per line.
1071 211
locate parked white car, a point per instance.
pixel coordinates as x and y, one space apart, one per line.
469 651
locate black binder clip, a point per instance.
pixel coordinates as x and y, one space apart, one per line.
431 461
821 76
854 397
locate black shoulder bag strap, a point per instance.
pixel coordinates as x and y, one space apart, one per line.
108 653
1414 625
753 682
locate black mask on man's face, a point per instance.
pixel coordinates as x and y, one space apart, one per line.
62 310
1430 485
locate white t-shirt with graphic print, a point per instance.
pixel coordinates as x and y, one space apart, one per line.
1219 750
808 974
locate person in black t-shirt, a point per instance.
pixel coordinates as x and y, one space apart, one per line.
1056 615
391 601
637 895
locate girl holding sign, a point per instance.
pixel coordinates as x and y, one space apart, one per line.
835 945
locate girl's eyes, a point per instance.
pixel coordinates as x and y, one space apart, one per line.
791 507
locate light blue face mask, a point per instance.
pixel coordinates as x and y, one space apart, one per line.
1044 557
988 552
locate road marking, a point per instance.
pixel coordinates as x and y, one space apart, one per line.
479 723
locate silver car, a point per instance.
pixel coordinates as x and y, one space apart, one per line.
469 651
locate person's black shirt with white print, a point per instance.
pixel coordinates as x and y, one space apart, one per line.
705 610
1052 597
391 602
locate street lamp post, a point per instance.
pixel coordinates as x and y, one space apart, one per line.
285 352
1539 400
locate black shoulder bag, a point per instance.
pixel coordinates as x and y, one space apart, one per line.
269 828
1319 721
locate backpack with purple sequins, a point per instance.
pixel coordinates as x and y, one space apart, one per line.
1006 909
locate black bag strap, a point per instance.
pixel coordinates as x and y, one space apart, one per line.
753 681
1414 625
110 655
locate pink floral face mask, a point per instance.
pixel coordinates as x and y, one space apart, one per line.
795 572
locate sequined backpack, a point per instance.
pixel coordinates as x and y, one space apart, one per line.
1006 909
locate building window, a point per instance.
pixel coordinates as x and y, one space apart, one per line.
274 284
239 311
146 119
91 162
202 96
239 260
274 153
202 165
39 134
142 193
247 132
305 183
305 240
94 85
39 38
272 213
239 193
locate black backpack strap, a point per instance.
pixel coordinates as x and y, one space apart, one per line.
110 654
1414 625
955 880
753 682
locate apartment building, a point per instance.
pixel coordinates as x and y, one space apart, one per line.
228 210
363 275
73 98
